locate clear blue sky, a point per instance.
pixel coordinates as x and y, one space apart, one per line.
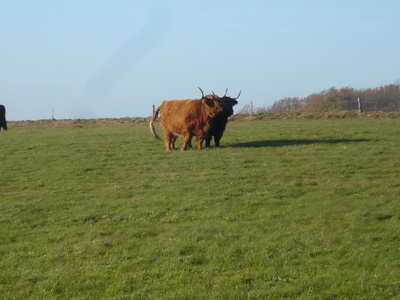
97 58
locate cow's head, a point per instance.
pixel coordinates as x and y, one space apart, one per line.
228 103
213 102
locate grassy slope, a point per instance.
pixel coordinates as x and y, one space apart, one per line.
298 208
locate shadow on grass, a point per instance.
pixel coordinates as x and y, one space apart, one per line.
280 143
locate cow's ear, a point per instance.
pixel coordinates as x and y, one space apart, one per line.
208 102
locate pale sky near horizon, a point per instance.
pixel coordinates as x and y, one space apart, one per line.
114 59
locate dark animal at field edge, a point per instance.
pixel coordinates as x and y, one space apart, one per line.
218 124
186 117
3 122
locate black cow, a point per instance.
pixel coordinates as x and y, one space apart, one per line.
218 123
3 122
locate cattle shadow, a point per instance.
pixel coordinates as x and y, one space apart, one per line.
281 143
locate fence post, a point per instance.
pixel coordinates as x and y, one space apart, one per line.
359 105
154 109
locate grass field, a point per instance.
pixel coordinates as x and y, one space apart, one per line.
96 209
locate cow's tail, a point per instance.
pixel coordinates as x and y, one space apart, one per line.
155 115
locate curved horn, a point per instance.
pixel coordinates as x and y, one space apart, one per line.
213 93
224 94
237 95
202 94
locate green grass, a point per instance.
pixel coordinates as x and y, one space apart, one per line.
96 209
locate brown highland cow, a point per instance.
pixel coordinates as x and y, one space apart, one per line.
186 117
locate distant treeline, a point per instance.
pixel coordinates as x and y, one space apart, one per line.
385 98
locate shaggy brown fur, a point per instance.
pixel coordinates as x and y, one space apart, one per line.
186 117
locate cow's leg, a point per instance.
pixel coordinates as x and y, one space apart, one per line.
3 123
189 145
217 138
173 140
208 140
168 137
186 140
167 145
200 142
